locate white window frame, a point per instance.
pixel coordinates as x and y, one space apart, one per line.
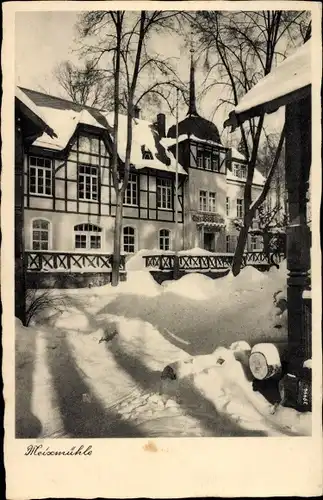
164 240
212 206
208 160
41 171
215 160
88 233
240 208
164 192
49 231
205 204
132 190
88 177
253 243
203 200
134 242
199 158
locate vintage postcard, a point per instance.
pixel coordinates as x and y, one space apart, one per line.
161 270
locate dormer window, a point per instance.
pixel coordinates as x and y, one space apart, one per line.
207 158
146 153
239 170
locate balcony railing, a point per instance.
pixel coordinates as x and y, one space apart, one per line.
65 261
206 262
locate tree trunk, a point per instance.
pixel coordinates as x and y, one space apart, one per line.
117 242
241 244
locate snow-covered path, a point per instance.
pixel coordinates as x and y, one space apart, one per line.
81 387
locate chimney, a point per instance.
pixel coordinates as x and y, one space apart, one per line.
161 124
136 112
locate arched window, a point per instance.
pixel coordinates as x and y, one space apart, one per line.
164 239
87 236
40 234
129 239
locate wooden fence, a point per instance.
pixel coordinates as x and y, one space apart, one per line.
206 262
64 261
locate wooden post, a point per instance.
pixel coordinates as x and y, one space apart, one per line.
298 161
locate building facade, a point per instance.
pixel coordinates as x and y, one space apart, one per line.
70 200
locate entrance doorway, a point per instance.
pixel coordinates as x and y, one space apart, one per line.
209 241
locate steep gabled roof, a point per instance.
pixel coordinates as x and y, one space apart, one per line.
30 109
64 116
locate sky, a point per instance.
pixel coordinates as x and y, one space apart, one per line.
46 38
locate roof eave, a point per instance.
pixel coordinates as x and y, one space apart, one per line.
236 119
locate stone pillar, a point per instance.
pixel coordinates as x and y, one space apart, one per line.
298 161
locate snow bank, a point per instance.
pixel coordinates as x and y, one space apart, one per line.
139 283
193 286
195 251
136 262
221 379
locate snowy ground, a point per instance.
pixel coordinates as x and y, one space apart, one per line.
72 383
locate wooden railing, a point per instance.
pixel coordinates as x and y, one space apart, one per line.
205 262
65 261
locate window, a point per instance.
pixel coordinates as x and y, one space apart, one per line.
40 176
146 153
164 193
207 160
240 171
40 234
203 201
212 202
207 201
131 194
215 160
227 205
239 208
129 239
164 239
243 171
253 243
88 183
86 236
200 163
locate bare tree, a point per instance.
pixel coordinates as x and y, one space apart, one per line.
241 48
120 41
85 85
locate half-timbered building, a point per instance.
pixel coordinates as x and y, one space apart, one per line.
70 201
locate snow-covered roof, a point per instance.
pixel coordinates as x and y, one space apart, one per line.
64 117
237 155
28 103
144 135
170 141
280 86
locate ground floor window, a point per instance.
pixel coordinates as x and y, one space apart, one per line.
129 239
255 243
87 236
164 239
40 234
